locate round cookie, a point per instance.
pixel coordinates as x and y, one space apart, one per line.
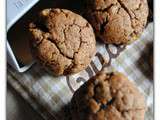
108 97
62 41
117 21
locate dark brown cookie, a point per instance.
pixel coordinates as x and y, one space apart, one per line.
108 97
62 41
117 21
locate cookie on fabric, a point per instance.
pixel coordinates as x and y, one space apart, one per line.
62 41
108 97
117 21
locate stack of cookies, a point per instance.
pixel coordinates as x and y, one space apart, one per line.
65 42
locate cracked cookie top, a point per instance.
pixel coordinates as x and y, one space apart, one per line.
117 21
108 97
62 41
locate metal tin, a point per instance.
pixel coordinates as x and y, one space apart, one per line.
15 10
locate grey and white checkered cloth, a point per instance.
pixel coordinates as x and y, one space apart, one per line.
48 94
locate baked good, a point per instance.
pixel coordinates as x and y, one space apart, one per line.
117 21
62 41
108 97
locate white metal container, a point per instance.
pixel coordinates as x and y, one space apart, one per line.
15 10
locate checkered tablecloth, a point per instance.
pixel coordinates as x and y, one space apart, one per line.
48 94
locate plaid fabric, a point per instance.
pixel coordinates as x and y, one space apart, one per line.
48 94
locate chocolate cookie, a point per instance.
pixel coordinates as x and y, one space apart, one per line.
62 41
108 97
117 21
